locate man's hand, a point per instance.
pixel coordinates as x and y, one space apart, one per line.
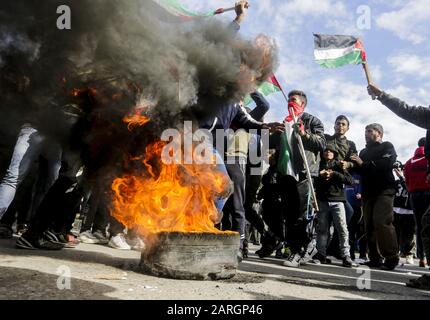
357 160
358 196
299 129
345 165
374 91
326 174
241 10
274 127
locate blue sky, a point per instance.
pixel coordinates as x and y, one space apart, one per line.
398 53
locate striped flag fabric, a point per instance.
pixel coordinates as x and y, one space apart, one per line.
271 85
174 11
332 51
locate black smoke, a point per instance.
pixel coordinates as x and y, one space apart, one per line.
116 53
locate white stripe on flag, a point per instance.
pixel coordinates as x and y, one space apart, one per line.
328 54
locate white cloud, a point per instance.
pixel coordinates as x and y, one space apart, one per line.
376 72
332 92
410 22
332 96
410 64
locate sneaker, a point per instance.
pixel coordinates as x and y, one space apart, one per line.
311 251
390 264
54 237
88 237
118 242
136 244
6 231
373 264
269 244
320 259
46 244
409 259
100 236
25 242
422 264
360 261
422 282
347 262
293 261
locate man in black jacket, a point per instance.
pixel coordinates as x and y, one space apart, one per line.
375 164
419 116
330 190
293 183
344 150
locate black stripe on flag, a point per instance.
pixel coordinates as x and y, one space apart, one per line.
323 41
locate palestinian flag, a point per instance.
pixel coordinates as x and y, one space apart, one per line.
271 85
174 11
332 51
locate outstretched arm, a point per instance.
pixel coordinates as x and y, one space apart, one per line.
420 116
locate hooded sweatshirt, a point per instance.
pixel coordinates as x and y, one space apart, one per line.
415 172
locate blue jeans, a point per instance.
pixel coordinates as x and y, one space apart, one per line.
219 204
332 212
29 146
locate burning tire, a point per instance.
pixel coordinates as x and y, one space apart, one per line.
195 256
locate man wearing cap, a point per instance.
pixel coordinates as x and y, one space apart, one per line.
375 164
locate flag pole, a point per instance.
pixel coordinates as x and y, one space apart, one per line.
368 75
222 10
305 160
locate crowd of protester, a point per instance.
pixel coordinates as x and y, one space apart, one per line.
369 204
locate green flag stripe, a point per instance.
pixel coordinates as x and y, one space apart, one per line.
354 57
265 89
177 9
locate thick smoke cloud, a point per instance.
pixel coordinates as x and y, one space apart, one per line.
177 65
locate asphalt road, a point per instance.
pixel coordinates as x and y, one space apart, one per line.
99 272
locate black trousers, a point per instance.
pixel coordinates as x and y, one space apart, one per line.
60 205
234 211
405 230
425 233
255 219
380 232
97 215
356 233
286 215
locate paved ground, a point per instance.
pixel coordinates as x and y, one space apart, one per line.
99 272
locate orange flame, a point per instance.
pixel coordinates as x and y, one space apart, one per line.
171 198
135 120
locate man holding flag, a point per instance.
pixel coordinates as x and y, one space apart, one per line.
291 164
